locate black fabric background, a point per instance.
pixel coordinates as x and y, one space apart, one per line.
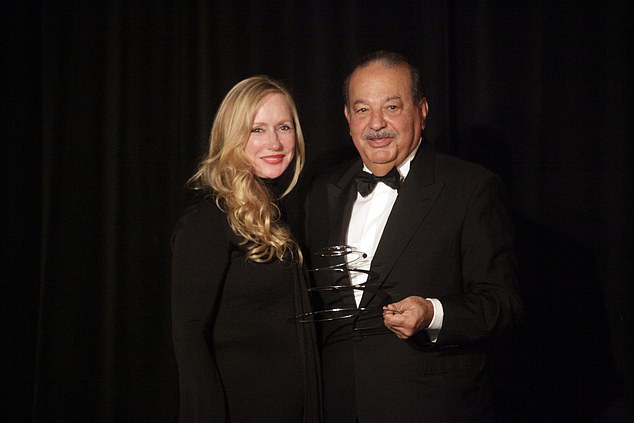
106 109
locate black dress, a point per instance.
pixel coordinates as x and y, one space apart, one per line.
241 356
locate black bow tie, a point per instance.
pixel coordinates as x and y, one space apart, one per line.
366 182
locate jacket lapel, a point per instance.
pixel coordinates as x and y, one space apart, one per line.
341 195
416 197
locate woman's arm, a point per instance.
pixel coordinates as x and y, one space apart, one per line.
200 257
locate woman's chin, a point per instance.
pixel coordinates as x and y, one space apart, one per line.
270 173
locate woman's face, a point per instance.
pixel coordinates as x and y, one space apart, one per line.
271 145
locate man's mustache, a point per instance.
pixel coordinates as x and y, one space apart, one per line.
374 135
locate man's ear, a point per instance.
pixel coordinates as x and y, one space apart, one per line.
346 113
423 110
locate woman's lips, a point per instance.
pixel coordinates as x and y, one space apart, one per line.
273 159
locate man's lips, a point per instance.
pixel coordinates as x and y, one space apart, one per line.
379 139
379 142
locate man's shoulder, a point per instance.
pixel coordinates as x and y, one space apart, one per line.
463 178
452 167
334 174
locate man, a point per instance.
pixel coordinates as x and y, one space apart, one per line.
430 250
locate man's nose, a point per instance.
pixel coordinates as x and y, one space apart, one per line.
377 120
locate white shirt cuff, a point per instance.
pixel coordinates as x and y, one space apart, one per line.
436 322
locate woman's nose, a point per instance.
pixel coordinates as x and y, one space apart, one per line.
274 141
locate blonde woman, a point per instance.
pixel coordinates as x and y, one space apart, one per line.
236 271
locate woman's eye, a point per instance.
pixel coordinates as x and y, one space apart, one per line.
285 128
257 130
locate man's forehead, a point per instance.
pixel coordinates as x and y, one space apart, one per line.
378 70
380 83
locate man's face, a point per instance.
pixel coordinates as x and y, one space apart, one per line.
385 123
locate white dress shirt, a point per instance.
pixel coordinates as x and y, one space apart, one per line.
368 219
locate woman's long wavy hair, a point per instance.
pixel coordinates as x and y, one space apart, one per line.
252 212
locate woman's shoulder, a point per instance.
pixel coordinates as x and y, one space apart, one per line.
201 217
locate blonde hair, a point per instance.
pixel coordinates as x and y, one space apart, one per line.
251 210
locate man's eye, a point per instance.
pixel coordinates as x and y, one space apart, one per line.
392 107
362 109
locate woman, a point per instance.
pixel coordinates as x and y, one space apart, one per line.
236 271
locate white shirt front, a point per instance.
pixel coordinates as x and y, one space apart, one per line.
368 219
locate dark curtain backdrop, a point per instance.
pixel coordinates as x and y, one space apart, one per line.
106 110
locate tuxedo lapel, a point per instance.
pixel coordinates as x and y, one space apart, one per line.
341 196
416 197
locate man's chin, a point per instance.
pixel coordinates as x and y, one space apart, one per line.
381 159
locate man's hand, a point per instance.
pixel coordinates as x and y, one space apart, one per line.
408 316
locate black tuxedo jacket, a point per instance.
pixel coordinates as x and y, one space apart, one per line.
449 237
